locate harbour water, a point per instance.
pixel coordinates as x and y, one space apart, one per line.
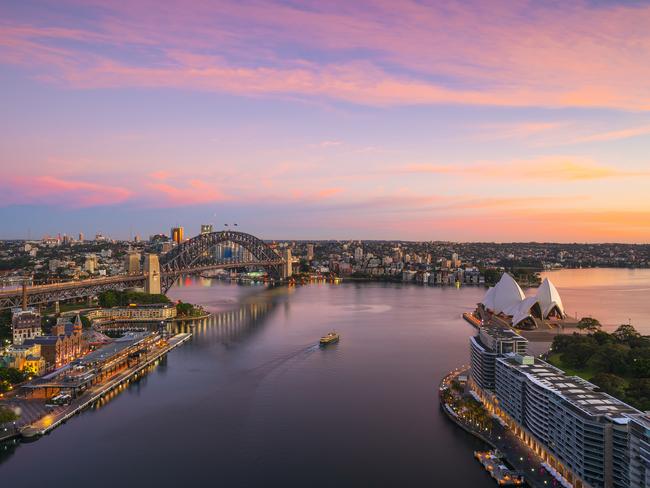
251 400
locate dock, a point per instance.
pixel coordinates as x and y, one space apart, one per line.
471 318
493 464
50 421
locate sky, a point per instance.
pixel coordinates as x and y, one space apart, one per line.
498 120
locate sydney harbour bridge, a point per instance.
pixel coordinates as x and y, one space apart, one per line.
193 256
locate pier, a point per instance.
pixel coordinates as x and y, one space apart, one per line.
52 420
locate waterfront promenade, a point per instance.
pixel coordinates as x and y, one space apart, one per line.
497 436
42 421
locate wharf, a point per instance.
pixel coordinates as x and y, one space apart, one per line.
472 319
51 421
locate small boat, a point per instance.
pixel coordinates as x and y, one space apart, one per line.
330 338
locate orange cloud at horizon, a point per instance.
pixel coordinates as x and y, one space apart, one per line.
554 168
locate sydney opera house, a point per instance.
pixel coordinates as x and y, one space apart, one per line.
506 304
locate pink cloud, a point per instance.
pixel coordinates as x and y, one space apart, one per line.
193 192
160 175
50 190
328 192
519 130
643 130
523 55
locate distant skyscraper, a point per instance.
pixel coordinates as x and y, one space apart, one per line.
310 252
177 234
206 228
90 264
81 236
358 254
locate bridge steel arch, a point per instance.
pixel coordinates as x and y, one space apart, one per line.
195 255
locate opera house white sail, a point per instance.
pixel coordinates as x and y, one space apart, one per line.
504 295
508 299
549 300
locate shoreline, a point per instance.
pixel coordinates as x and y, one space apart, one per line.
505 443
47 422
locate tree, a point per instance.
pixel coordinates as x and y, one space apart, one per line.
626 333
610 383
602 337
108 299
85 321
579 351
639 362
638 393
589 323
562 342
456 386
184 309
112 298
610 358
5 326
7 415
11 375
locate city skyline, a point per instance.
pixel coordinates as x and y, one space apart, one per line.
513 121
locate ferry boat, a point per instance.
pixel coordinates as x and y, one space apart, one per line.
491 461
330 338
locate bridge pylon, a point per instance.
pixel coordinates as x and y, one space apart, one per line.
152 274
287 268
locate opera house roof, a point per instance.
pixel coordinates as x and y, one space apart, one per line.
507 298
504 295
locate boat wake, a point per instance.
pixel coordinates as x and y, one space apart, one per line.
285 360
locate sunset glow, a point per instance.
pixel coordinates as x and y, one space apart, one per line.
506 120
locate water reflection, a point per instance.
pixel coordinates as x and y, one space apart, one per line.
613 296
224 327
251 400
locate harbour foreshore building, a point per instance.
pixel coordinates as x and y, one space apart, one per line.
25 357
25 324
143 313
640 451
588 437
64 344
486 346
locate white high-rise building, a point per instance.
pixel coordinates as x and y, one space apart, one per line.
90 263
358 254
